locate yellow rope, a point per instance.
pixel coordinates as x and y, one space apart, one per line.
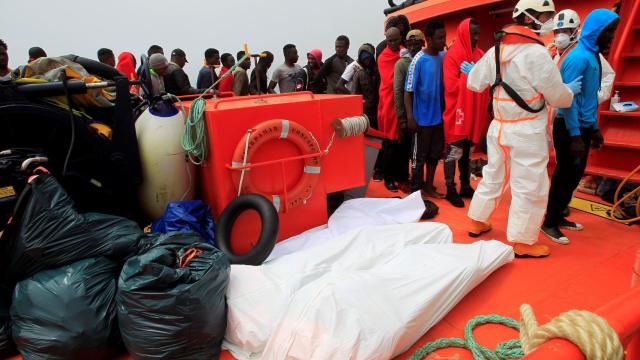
591 333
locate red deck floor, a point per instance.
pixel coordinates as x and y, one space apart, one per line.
592 270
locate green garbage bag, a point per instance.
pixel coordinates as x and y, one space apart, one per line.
171 298
68 312
47 232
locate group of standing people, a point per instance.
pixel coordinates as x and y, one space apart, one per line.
431 104
426 111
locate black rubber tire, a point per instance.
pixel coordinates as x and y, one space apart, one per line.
268 234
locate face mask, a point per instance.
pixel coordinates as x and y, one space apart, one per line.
545 28
562 41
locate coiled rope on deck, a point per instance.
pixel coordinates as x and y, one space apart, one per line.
507 350
194 138
588 331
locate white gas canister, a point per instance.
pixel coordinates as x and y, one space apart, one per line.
167 174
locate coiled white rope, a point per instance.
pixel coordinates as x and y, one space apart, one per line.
350 126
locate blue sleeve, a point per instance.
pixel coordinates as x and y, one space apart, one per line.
413 74
571 69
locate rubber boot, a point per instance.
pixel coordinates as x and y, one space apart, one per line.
531 251
478 228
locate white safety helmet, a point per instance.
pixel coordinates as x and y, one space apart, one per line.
537 5
566 19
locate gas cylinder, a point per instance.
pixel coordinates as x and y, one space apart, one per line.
167 174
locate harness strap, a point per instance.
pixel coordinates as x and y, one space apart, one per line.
500 82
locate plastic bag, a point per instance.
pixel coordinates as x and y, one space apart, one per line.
47 232
187 216
68 312
171 298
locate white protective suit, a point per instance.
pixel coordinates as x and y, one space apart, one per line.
517 140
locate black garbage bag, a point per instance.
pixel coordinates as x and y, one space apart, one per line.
47 232
68 312
171 298
6 344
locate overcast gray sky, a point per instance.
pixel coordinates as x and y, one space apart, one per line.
83 26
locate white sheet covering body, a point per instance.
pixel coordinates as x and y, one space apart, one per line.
354 214
369 293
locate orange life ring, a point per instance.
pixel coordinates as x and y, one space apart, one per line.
280 130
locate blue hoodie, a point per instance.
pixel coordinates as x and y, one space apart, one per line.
583 61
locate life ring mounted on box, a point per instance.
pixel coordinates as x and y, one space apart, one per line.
278 130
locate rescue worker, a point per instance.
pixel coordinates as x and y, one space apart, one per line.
517 138
575 129
566 31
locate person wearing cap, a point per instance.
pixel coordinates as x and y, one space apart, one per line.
424 104
176 81
36 53
415 42
314 64
158 65
517 140
465 116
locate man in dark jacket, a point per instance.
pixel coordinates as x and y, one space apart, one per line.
365 82
176 81
334 67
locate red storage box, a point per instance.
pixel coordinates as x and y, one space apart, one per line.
227 123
